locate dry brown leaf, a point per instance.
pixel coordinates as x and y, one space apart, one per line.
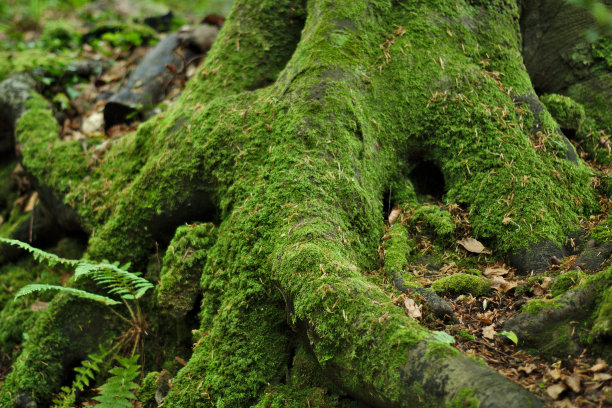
546 282
555 390
495 271
448 268
602 376
94 123
395 213
555 373
499 283
489 332
412 308
537 289
564 403
472 245
573 382
31 202
180 361
37 306
528 369
599 365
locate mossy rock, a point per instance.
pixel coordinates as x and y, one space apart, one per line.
565 282
568 113
146 392
602 326
462 284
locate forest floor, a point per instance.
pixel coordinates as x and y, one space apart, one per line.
582 381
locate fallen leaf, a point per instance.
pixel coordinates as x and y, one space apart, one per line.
537 289
555 390
602 377
495 271
600 365
528 369
412 308
564 403
31 202
472 245
499 283
489 332
546 282
180 361
448 268
394 214
573 382
94 123
555 373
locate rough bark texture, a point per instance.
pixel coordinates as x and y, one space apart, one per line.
287 140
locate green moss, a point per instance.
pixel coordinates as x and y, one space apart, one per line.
16 318
305 385
568 113
566 281
440 349
465 335
461 284
128 35
146 392
58 34
534 306
465 399
603 231
602 326
396 249
435 219
26 60
51 349
292 149
602 315
594 93
183 265
8 188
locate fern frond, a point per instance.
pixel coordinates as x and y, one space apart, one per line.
37 287
128 285
39 254
85 373
117 391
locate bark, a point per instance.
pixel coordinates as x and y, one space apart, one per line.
288 139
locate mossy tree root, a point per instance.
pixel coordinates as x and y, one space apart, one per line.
294 173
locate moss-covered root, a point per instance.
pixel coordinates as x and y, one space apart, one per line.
563 325
369 346
244 351
56 344
252 48
183 265
396 250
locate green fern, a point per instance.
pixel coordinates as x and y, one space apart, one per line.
36 287
117 280
39 254
85 373
117 391
128 285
